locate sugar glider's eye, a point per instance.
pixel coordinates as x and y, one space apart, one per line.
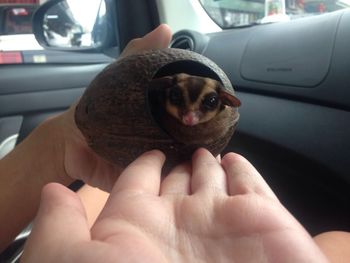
211 101
175 96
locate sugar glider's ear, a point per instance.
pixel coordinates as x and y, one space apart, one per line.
161 83
157 89
229 99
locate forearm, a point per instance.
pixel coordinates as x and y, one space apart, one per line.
37 161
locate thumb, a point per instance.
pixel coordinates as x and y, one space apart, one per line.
157 39
61 222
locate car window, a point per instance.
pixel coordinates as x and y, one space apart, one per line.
235 13
17 19
18 43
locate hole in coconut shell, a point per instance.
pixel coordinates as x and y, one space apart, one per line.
189 67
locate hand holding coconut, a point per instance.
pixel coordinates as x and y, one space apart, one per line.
79 160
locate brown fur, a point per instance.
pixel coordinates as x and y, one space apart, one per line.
212 123
194 89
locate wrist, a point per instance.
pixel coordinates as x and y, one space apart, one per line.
51 151
40 157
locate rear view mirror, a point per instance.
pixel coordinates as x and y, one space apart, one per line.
71 24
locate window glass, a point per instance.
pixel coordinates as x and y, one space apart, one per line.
233 13
17 41
17 20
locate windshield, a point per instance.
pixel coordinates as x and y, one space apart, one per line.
235 13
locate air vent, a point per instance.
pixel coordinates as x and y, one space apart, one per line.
190 40
183 42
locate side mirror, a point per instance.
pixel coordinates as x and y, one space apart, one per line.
72 25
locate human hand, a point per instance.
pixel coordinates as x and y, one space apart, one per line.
204 212
80 162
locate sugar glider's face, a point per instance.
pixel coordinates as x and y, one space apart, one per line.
193 100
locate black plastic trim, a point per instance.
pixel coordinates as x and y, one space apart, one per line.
135 20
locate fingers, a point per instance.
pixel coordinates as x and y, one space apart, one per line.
177 181
234 176
93 200
142 175
243 178
60 221
157 39
207 173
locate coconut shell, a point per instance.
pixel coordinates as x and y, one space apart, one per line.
114 113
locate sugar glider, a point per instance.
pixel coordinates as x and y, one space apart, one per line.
189 107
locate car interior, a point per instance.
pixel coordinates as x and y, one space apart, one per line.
292 78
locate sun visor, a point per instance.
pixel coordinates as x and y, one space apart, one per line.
297 54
